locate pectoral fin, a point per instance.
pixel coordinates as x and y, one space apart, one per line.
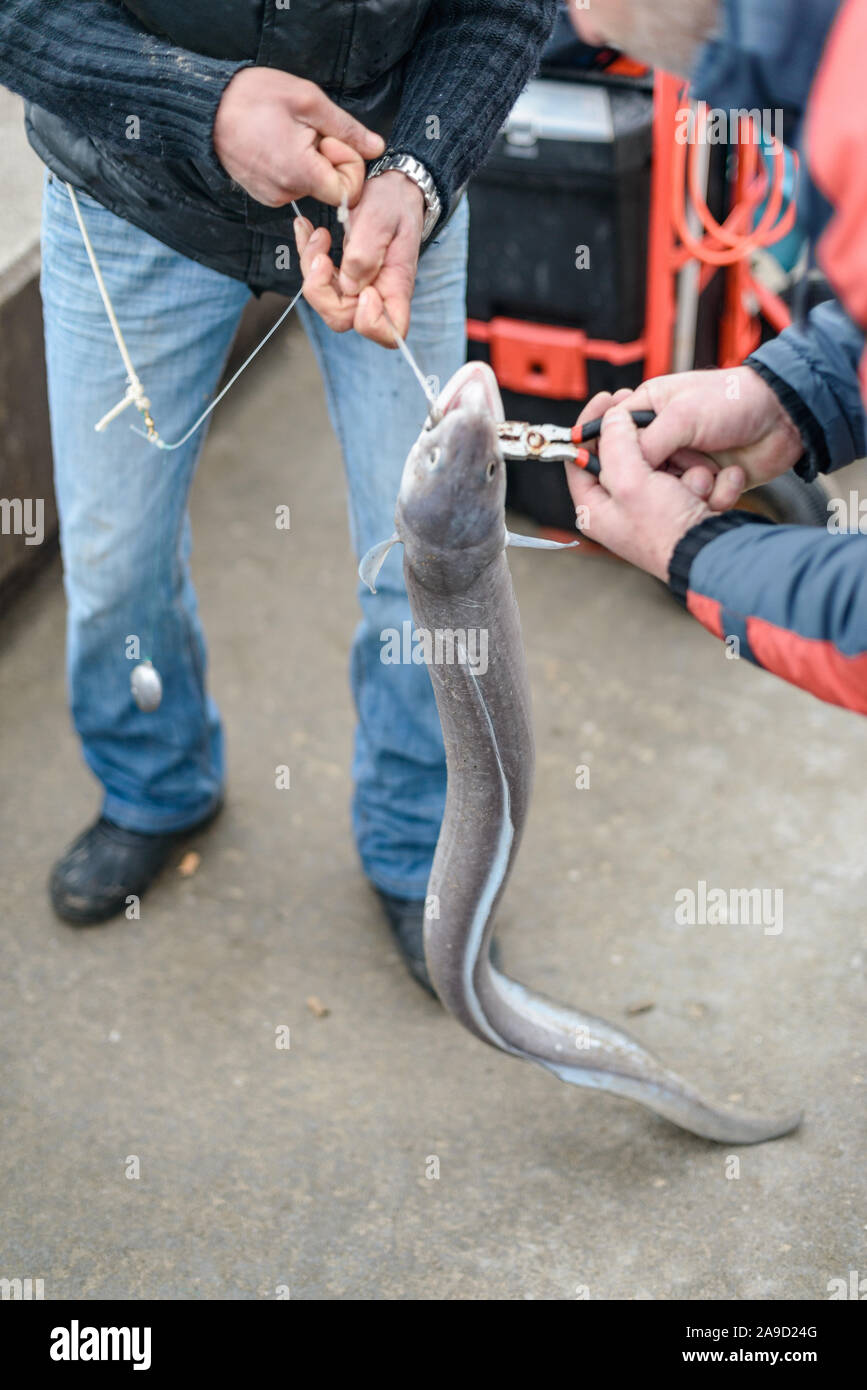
537 542
374 560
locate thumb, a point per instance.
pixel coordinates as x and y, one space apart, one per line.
350 169
674 428
699 479
730 483
330 119
363 254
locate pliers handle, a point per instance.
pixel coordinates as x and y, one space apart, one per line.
558 443
591 429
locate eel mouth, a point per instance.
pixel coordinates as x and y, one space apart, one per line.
472 394
473 388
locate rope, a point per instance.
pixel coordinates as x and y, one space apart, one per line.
135 391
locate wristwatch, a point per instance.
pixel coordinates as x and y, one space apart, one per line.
416 171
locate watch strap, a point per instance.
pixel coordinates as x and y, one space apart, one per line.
413 169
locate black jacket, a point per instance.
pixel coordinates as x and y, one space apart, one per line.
122 98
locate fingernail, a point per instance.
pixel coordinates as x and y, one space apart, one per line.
364 301
317 262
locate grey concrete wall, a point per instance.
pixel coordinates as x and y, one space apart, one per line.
25 446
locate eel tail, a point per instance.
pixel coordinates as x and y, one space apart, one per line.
587 1051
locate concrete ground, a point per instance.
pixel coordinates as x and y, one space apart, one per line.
307 1167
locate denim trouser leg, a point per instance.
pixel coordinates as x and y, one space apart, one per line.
378 409
123 504
125 531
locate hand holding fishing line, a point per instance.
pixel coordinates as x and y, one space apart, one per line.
323 290
372 290
281 138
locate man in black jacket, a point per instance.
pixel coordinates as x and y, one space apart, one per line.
187 131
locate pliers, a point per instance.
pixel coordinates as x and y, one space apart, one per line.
559 443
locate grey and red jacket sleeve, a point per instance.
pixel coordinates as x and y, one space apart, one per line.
814 372
795 597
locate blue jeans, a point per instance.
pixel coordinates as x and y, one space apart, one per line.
125 528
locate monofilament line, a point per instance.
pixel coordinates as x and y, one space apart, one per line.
229 384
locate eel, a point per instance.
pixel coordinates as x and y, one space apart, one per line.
450 518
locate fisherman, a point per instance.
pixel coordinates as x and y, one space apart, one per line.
795 598
186 131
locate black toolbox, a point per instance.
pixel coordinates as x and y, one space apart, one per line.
558 257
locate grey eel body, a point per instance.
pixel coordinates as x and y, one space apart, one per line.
450 518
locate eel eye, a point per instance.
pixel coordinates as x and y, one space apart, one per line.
491 468
434 457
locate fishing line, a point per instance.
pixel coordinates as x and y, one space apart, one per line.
161 444
430 395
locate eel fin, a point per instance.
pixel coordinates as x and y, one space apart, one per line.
538 542
374 560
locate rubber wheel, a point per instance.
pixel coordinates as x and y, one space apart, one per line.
789 501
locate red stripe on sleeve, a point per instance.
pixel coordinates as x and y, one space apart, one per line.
811 664
708 611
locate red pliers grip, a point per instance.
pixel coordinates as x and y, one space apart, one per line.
559 443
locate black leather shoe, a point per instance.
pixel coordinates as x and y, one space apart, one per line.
106 865
406 919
